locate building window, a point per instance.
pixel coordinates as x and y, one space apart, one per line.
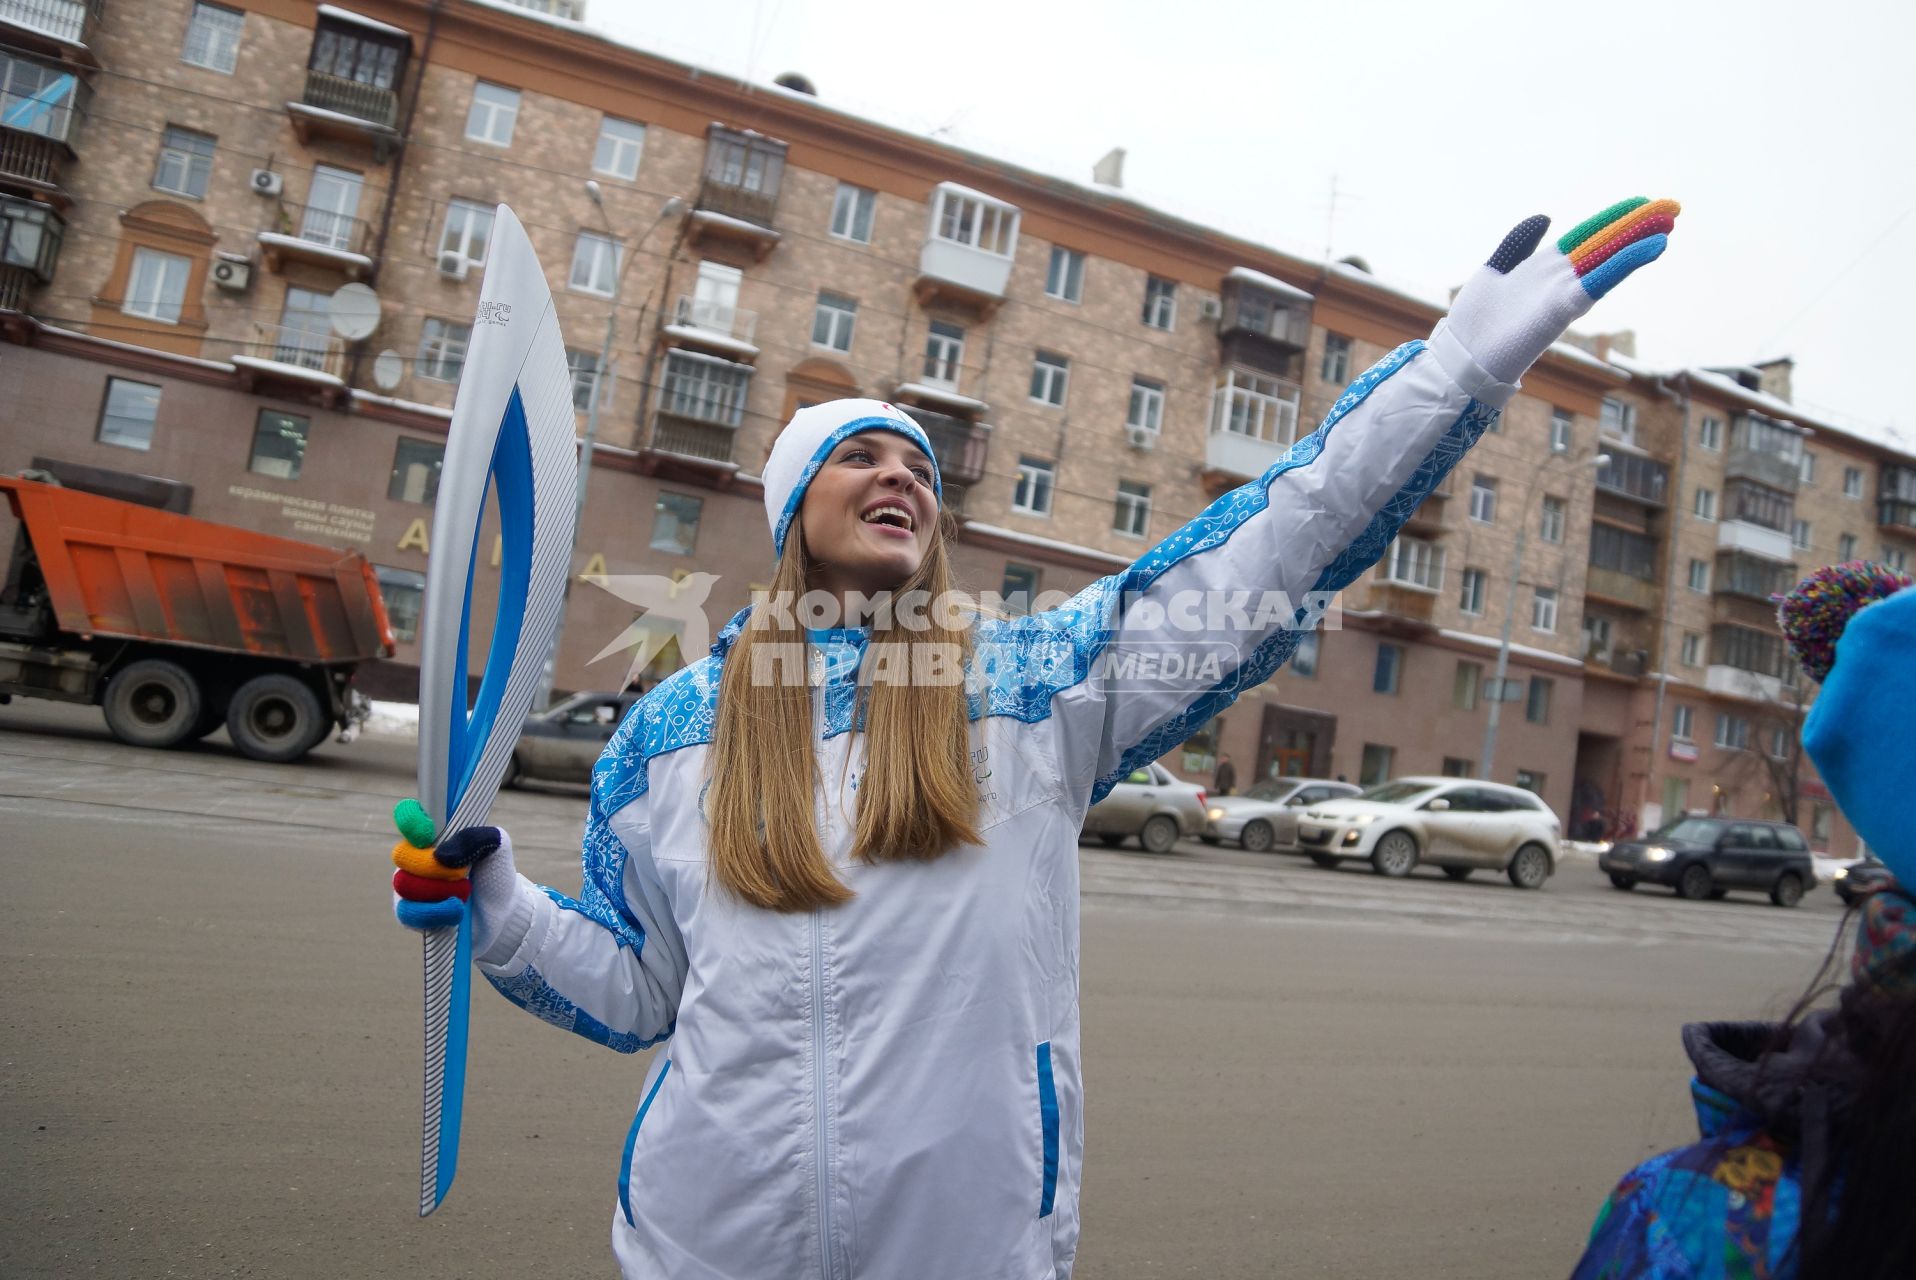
1414 562
1682 720
1387 675
675 522
1537 703
156 285
1598 633
585 376
1472 601
1846 548
1049 374
833 321
185 164
705 388
1896 559
1464 689
1779 743
1019 588
1543 610
1147 406
1709 433
944 353
279 445
852 213
1807 473
976 222
1304 657
1618 420
1800 535
595 264
442 349
1552 524
468 230
416 466
1132 514
1530 780
1160 302
212 37
1377 764
1692 652
1032 496
1483 499
1335 367
404 592
1732 732
1064 278
1852 482
1704 505
621 143
494 111
1820 823
1458 767
1700 575
127 416
1560 422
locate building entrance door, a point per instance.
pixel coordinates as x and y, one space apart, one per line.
1294 744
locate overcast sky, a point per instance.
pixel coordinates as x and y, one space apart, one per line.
1785 130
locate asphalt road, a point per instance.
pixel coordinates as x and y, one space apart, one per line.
210 1063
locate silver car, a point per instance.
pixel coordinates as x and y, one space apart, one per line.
562 744
1454 823
1265 817
1151 805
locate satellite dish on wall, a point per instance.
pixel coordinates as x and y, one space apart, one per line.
388 369
355 311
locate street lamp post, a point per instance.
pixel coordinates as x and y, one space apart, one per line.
1510 617
672 207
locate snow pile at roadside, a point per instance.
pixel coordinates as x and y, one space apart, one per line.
393 720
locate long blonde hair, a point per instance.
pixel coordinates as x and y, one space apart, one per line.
917 800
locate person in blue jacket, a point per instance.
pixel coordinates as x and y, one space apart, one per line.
1806 1166
833 866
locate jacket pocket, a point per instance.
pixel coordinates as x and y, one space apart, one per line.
632 1141
1048 1124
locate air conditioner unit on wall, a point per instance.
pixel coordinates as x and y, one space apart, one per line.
453 264
267 183
1140 437
233 276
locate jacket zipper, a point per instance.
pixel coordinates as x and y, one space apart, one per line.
818 1102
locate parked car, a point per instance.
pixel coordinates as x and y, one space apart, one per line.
562 743
1703 857
1861 878
1265 817
1453 823
1151 805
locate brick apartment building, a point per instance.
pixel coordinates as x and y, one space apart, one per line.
185 187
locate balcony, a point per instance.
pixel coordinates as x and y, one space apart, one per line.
1896 498
1755 539
51 23
738 194
1771 470
1264 323
1632 476
31 234
968 250
717 326
1429 517
962 447
320 237
343 110
701 404
1613 586
1752 578
287 356
1253 423
1400 600
693 438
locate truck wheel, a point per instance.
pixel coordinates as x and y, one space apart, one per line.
274 718
152 703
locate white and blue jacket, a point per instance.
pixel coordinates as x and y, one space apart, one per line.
891 1088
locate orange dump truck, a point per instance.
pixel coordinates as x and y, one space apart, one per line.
176 626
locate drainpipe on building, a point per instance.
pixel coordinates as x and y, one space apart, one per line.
398 171
1675 508
658 325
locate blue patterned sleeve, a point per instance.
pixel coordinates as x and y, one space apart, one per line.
1137 662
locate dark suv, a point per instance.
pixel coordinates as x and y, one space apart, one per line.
1707 857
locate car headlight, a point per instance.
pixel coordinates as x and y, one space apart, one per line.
1657 853
1361 819
1842 873
1214 814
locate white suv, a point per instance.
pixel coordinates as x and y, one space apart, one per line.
1455 823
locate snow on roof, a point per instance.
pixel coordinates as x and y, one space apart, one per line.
1577 355
196 361
1541 655
924 391
710 337
1049 544
1346 271
344 117
1270 284
712 218
411 406
297 372
359 19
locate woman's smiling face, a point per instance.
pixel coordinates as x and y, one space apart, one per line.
869 514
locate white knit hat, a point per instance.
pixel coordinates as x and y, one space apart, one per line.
809 438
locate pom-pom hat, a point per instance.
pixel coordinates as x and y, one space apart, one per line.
810 437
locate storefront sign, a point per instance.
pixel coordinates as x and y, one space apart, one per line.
330 521
1682 750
